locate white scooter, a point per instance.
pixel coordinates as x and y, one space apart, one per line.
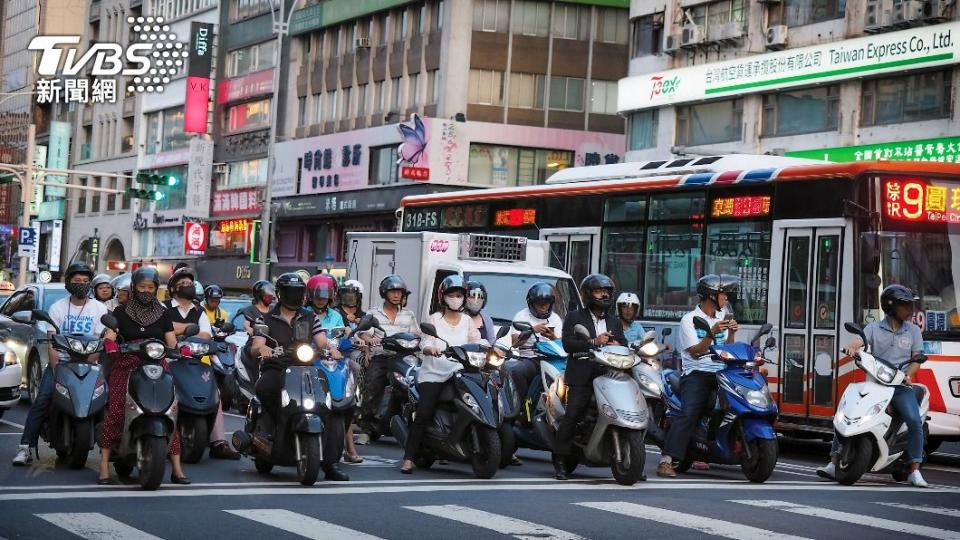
863 420
647 373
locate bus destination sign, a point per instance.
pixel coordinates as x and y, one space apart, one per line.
740 207
516 217
919 201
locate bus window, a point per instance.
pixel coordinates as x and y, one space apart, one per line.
798 263
622 257
673 266
683 206
742 249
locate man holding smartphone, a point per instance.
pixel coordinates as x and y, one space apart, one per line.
699 370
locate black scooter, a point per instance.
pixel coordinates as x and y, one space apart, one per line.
403 347
223 355
197 396
468 417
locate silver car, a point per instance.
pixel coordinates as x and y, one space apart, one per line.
28 341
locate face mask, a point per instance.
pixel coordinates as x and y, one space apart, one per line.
453 302
78 290
143 298
474 305
187 292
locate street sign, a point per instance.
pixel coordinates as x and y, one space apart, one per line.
27 241
195 238
45 277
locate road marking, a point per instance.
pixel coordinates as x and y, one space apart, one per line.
11 424
94 526
952 512
854 519
300 524
702 524
518 528
941 469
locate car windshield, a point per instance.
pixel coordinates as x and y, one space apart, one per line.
51 295
507 293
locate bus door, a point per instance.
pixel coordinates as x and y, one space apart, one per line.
810 320
576 251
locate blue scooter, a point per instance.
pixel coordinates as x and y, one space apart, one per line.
342 386
739 429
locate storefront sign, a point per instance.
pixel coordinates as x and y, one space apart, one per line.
228 226
257 83
236 201
920 201
58 156
944 150
920 47
241 145
195 238
199 173
198 77
166 218
56 242
39 160
415 173
738 207
515 217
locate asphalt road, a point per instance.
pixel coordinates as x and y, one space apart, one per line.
229 499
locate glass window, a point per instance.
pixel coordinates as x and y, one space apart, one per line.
486 87
247 173
491 15
800 12
362 99
125 199
395 94
566 94
892 100
112 199
82 198
302 111
672 267
380 96
612 24
95 197
742 249
173 135
622 257
153 132
630 208
603 97
245 9
828 275
798 264
332 106
401 31
247 116
413 95
318 108
507 293
710 123
643 129
647 35
531 18
383 165
713 14
174 197
801 111
433 86
168 242
253 58
512 166
571 22
526 90
683 206
346 98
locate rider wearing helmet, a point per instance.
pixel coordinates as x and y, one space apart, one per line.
699 378
264 296
212 296
596 291
75 314
393 318
349 302
102 288
321 292
121 284
545 322
628 306
898 341
476 301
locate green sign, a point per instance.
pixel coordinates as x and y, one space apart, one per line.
944 150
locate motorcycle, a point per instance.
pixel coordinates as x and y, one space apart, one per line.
648 374
150 410
197 397
223 355
739 428
342 386
870 436
246 374
467 420
404 346
613 431
295 439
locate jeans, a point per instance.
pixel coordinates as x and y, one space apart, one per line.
38 410
429 395
695 391
905 405
523 371
578 399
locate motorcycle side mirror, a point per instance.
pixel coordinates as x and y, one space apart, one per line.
228 328
648 337
771 342
429 329
191 330
521 326
262 329
367 322
40 315
666 332
765 329
855 329
701 324
504 330
109 320
581 331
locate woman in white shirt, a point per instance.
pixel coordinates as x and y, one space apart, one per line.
454 329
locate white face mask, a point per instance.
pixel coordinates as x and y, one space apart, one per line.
453 302
474 305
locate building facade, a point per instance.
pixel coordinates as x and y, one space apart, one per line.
827 79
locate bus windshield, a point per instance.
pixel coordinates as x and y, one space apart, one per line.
507 294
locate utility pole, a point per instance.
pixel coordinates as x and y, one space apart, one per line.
26 194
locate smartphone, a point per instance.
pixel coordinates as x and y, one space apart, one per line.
550 329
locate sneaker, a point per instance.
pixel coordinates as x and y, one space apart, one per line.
665 469
24 457
916 480
827 472
221 450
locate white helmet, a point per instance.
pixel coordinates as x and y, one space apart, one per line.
355 284
628 299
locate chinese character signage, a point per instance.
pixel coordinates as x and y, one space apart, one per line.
943 150
58 154
258 83
236 201
195 238
738 207
229 226
516 217
920 201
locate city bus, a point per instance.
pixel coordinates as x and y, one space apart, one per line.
812 242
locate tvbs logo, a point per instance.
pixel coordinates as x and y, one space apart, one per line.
663 87
153 56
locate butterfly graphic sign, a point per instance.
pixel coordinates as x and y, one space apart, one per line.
411 154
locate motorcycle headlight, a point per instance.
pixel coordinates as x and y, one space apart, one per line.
199 349
649 384
154 350
875 410
308 404
284 398
93 346
152 371
618 361
304 353
885 373
494 359
650 349
409 343
10 358
756 398
471 402
75 345
476 359
63 390
99 390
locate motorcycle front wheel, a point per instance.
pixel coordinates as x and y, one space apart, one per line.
763 459
194 438
82 442
151 454
486 459
308 462
633 453
855 461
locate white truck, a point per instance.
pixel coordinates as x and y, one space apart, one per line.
506 265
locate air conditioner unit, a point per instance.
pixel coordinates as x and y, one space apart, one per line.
726 31
879 16
672 44
363 43
908 12
777 36
693 34
937 9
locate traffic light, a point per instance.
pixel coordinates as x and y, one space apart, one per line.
145 194
156 179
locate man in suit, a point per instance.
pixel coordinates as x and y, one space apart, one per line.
596 290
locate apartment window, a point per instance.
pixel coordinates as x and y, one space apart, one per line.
332 106
437 14
801 12
612 24
526 90
173 136
566 94
247 173
414 94
400 33
82 197
571 22
420 20
362 99
379 96
531 18
124 198
512 166
801 111
347 103
384 29
395 94
647 35
643 129
318 108
112 199
302 111
923 96
714 14
603 97
250 59
307 47
153 132
247 116
710 123
383 165
491 15
95 197
245 9
486 87
335 38
433 86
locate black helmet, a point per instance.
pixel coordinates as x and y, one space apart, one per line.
212 291
78 268
450 284
713 284
177 275
263 292
896 295
393 282
595 282
290 290
145 273
540 293
475 290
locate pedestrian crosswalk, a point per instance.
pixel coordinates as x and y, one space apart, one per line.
578 521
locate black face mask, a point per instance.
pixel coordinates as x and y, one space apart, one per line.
187 292
142 298
78 290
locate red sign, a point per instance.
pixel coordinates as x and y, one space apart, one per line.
916 200
195 112
195 238
415 173
236 201
515 217
255 84
737 207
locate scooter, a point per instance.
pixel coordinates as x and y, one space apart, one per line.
648 374
11 375
739 429
342 387
613 431
295 439
870 436
404 347
247 373
223 355
197 396
467 419
150 410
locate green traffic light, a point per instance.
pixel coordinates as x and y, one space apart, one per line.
157 195
172 180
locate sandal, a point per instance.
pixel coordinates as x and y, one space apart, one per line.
105 481
181 480
347 458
